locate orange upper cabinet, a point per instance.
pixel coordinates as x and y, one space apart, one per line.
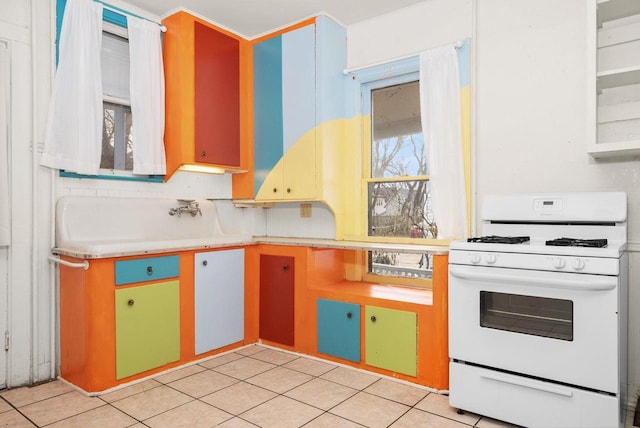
217 97
207 86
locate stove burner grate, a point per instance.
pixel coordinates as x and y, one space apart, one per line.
573 242
493 239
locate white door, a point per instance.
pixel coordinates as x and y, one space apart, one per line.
219 299
4 203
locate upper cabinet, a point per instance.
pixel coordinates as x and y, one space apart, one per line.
615 61
298 114
284 76
207 86
217 97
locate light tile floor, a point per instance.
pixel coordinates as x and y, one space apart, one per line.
252 386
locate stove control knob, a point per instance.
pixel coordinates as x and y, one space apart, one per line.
578 264
491 258
475 258
558 263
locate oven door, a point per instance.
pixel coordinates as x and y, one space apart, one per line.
552 325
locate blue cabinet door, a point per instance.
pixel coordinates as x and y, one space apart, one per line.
219 299
339 329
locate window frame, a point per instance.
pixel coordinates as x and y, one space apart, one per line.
381 76
115 23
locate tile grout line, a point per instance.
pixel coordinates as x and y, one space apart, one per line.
313 377
296 357
410 407
18 410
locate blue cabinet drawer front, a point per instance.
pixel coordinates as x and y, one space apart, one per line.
139 270
339 329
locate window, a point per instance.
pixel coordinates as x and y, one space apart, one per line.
396 177
397 183
117 142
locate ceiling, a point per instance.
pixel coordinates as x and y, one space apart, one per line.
251 18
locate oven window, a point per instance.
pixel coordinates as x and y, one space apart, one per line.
538 316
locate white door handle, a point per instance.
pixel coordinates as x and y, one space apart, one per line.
584 283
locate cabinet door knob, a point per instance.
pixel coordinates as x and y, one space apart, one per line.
149 270
288 190
275 189
131 302
285 268
349 315
204 263
203 154
373 318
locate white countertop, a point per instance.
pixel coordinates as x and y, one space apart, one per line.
109 249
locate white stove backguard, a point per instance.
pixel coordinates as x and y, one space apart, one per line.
556 207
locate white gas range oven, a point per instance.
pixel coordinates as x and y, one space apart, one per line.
538 311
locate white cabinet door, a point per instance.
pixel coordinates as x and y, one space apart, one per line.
219 299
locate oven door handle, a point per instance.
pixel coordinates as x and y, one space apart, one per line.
526 383
586 284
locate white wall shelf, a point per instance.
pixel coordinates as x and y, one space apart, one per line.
618 77
611 10
614 59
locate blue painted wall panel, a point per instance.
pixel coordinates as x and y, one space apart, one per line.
268 125
464 63
331 62
298 87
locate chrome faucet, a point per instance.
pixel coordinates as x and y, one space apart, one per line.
187 206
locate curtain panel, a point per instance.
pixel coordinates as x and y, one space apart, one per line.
74 126
73 140
442 128
147 96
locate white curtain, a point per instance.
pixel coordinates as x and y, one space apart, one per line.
73 139
4 145
441 126
147 96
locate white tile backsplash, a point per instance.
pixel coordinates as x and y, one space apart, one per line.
284 220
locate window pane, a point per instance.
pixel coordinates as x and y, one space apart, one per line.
108 137
115 66
128 160
400 265
117 141
397 147
401 209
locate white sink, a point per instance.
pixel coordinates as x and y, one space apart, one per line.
92 227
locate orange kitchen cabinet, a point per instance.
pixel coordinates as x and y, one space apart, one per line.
207 89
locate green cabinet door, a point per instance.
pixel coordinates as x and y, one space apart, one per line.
147 327
391 339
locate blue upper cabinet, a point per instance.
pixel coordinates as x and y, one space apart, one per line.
267 96
298 89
